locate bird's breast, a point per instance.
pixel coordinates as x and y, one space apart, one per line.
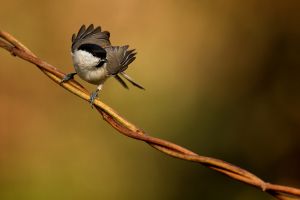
84 59
85 65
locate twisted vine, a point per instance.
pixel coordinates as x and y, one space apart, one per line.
9 43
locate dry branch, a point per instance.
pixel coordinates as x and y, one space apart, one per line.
12 45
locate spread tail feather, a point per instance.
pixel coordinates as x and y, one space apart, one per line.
120 80
128 78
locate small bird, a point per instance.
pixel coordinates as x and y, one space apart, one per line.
95 59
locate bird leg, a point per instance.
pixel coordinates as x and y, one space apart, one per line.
67 77
94 94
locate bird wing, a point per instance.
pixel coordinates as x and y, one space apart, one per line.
118 58
90 35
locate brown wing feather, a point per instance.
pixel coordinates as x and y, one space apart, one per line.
90 35
119 58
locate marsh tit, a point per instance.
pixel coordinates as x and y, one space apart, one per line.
95 60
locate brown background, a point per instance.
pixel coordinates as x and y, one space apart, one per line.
221 78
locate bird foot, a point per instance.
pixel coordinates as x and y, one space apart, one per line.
93 96
67 77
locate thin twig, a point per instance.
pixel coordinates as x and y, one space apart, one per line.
16 48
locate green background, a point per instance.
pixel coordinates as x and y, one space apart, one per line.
221 78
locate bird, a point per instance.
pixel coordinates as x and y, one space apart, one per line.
95 59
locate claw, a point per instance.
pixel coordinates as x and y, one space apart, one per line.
67 77
93 96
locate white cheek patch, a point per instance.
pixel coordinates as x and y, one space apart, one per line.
85 59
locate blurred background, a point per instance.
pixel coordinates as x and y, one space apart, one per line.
221 78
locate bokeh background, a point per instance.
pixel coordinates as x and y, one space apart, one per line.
221 78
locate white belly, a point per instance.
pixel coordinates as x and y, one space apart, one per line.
85 66
96 76
84 59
